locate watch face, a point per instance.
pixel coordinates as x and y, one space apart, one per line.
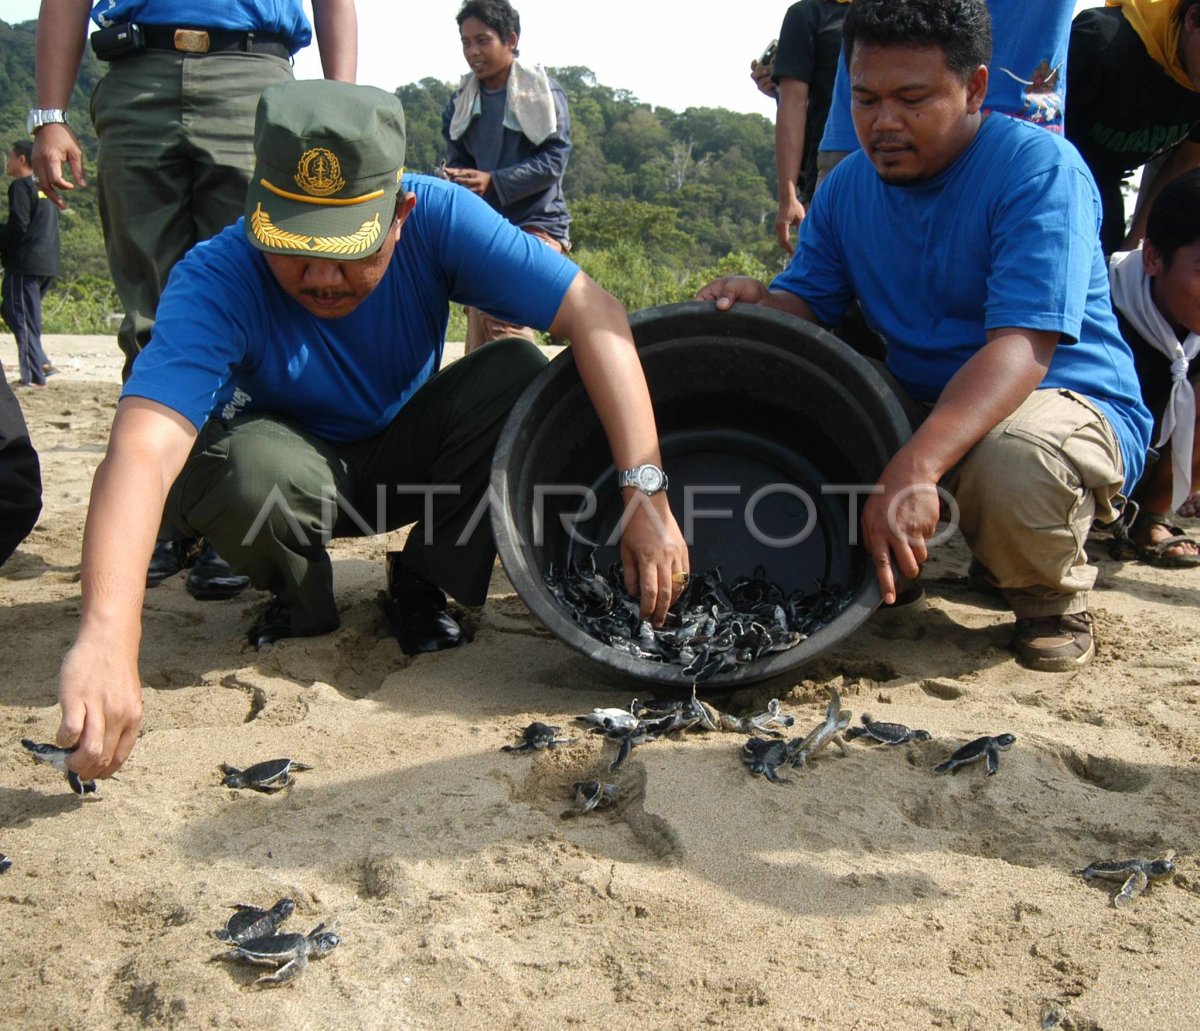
650 479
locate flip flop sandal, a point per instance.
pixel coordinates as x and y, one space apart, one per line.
1124 547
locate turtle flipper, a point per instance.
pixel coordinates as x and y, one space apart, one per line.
992 759
622 753
286 972
1132 888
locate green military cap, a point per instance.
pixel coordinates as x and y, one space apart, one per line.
329 157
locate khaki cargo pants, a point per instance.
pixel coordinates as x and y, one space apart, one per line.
1029 492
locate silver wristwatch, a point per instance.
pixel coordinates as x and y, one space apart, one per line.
649 479
40 116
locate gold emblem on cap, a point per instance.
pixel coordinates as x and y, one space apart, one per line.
319 173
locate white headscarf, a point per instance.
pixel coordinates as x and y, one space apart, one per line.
1131 295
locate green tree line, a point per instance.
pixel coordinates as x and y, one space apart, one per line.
661 201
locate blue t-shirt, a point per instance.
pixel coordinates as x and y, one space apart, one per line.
1027 76
228 340
277 17
1008 235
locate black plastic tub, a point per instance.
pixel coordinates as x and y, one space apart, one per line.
759 414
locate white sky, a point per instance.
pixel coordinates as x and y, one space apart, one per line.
671 55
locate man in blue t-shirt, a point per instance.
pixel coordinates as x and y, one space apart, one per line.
291 393
971 243
1026 74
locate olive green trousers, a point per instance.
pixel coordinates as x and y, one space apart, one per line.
269 494
176 154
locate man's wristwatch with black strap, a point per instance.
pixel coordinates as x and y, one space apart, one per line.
40 116
649 479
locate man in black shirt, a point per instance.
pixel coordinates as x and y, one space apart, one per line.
804 72
29 247
1127 101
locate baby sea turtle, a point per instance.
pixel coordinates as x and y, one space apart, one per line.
252 922
764 756
268 776
836 720
289 952
537 736
1135 873
594 794
988 748
603 720
5 862
57 757
886 733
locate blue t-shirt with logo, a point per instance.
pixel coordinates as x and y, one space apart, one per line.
1008 235
228 340
1027 76
275 17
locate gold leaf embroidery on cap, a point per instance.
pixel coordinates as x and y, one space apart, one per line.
318 172
270 235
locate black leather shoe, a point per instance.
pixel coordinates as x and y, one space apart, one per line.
165 561
211 579
274 624
417 612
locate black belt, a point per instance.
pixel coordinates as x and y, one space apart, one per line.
188 40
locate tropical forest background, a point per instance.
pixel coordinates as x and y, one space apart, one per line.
662 201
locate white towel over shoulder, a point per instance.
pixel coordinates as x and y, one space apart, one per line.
528 109
1131 295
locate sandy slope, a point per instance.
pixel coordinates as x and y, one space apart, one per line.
867 892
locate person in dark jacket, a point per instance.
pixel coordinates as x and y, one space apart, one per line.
508 136
30 248
20 475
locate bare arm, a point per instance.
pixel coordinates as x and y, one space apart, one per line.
652 548
336 23
731 290
61 33
99 688
791 121
898 521
1182 159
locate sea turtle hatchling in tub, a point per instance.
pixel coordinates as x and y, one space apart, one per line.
886 733
538 736
289 952
987 748
268 776
1135 875
57 757
252 922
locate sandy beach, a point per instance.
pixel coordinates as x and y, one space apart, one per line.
867 892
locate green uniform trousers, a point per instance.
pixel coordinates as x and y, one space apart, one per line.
268 494
176 154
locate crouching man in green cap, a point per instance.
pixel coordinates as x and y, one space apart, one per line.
295 360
